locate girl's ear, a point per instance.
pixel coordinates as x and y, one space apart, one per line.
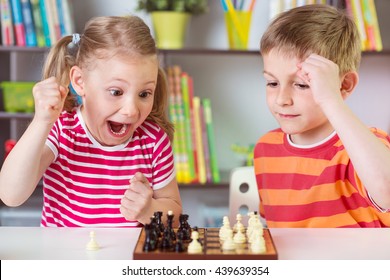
349 83
77 80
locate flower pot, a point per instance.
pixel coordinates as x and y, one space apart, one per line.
170 29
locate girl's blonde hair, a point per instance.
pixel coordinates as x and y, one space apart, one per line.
316 28
103 37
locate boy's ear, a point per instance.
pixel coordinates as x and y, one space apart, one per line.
77 80
348 83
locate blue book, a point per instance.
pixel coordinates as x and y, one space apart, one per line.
31 37
17 16
45 23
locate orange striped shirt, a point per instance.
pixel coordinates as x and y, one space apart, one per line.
313 187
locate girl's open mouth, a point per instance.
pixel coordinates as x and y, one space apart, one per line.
118 129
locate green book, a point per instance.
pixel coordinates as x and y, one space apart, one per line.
37 16
211 140
187 125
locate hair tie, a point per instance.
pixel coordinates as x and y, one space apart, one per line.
75 38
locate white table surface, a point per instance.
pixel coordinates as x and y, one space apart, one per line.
36 243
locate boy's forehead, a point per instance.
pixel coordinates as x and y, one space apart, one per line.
280 62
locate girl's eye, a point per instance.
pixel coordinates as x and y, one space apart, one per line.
144 94
115 92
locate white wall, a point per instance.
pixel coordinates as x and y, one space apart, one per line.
235 83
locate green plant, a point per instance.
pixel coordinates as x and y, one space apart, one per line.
189 6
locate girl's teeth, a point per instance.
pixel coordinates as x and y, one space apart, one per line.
120 132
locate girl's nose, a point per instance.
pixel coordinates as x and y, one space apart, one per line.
129 108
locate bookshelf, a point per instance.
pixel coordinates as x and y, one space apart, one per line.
227 77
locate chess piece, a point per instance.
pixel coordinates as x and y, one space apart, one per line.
228 244
166 241
170 225
224 229
159 223
258 245
179 246
195 247
151 238
238 223
184 227
239 237
92 244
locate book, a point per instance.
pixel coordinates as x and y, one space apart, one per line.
37 17
7 33
66 17
372 25
187 125
29 26
205 140
211 141
54 23
45 22
201 170
17 17
355 10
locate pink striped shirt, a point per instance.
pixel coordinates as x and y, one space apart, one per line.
85 183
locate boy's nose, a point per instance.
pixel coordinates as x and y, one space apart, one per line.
284 98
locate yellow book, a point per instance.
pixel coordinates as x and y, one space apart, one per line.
357 14
199 142
377 33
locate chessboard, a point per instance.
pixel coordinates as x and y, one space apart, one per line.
211 249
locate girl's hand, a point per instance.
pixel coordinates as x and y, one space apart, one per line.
322 75
49 99
137 200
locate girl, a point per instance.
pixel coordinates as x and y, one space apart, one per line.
107 162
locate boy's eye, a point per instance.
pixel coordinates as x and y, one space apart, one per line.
115 92
272 84
302 86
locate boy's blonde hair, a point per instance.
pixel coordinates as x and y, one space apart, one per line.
105 37
320 29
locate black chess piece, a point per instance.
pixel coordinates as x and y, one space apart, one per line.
166 241
179 246
150 243
158 216
184 227
170 226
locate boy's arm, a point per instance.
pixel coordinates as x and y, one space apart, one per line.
370 157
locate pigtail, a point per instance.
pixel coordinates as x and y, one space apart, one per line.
159 110
58 63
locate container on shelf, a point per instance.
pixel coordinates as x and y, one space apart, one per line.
17 96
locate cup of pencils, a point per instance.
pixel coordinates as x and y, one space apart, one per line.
238 23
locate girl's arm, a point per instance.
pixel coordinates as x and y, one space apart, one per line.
140 201
25 164
30 157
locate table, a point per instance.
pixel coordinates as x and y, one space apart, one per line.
36 243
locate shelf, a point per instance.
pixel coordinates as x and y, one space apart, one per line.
23 49
20 116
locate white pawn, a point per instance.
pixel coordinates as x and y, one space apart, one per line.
258 245
92 244
194 247
228 244
224 228
238 223
239 237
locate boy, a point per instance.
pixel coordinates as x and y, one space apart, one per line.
322 167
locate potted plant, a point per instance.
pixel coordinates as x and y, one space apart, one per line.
170 19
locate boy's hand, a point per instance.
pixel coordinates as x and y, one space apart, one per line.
137 199
322 75
49 98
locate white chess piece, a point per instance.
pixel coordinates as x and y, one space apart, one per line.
224 228
194 247
239 237
228 244
238 223
92 244
258 245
